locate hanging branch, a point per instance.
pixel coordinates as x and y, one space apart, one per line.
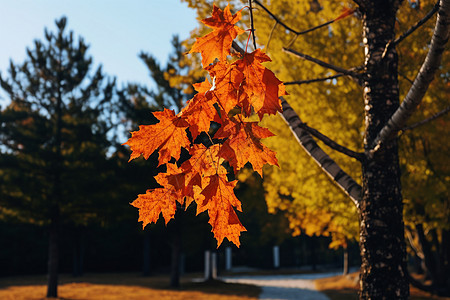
422 81
429 119
324 64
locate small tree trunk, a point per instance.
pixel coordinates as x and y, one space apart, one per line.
445 259
175 265
78 252
429 261
146 254
382 245
346 261
53 255
313 252
176 249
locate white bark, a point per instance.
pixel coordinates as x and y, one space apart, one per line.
326 163
423 79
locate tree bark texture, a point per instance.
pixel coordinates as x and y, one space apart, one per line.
325 162
382 243
424 77
53 253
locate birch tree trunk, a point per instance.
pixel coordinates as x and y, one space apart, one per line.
382 243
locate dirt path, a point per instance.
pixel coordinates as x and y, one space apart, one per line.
285 287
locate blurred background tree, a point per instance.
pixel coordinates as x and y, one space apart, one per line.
55 135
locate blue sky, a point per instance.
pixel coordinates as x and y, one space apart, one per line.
116 30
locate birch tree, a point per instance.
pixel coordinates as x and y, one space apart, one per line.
378 197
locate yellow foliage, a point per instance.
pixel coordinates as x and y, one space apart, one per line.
312 203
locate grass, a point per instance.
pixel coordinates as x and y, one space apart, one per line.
346 288
124 286
133 286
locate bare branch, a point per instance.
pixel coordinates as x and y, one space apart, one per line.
270 36
405 77
418 24
326 163
299 82
296 32
323 64
275 17
429 119
330 143
251 23
422 81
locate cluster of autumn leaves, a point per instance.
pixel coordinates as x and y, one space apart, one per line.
240 87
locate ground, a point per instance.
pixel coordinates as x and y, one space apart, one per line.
251 286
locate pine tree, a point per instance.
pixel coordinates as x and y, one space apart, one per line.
55 133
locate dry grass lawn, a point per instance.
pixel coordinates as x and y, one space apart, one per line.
124 286
346 288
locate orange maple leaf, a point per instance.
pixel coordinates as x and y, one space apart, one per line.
167 136
154 202
236 90
217 43
203 162
219 201
261 85
200 110
243 145
227 87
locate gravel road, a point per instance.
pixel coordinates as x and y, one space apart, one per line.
285 287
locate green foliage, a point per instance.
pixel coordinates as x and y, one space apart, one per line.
55 132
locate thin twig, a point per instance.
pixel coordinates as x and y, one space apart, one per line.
296 32
292 41
299 82
429 119
276 18
323 64
270 35
330 143
251 23
417 25
405 77
326 140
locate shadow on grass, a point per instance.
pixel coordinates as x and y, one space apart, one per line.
156 286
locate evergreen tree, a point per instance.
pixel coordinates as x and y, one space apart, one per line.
55 133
